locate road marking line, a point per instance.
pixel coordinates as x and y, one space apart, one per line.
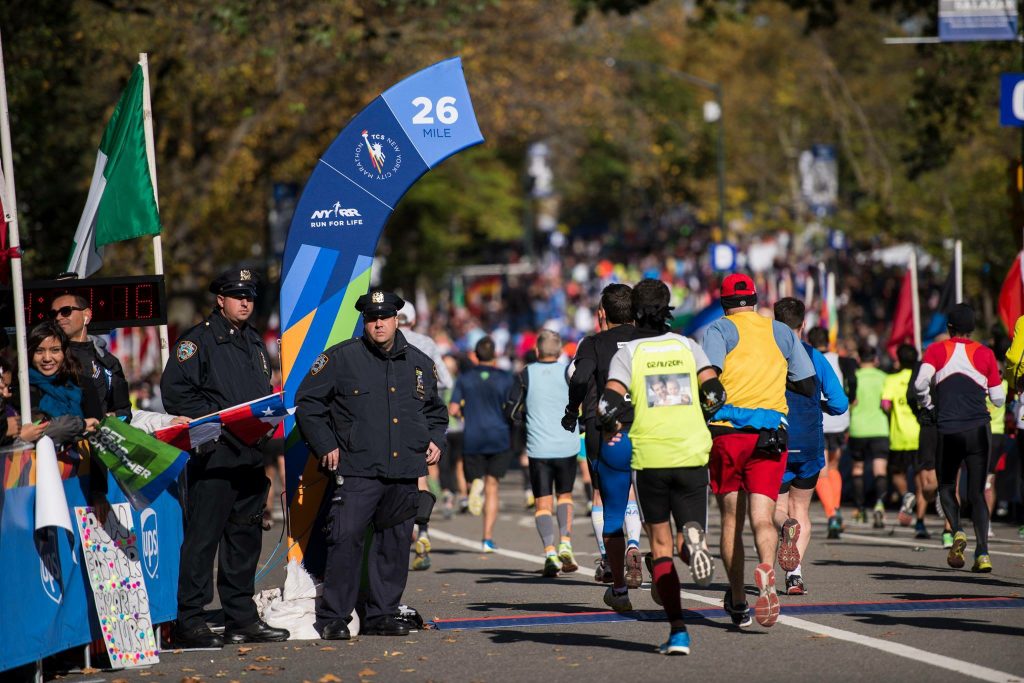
941 661
910 544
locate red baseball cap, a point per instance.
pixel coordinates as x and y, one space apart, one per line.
738 284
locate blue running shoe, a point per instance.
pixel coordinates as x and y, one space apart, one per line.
678 644
487 546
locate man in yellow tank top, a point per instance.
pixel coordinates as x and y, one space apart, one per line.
756 357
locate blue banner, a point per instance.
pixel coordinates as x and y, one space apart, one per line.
354 187
47 605
1011 99
971 20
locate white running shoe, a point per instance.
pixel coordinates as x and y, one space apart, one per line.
476 497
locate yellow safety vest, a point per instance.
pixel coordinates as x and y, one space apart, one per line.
668 429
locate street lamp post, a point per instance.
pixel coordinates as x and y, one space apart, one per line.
716 90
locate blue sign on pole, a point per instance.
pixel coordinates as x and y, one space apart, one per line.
970 20
1011 100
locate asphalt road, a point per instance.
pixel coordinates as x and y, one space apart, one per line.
881 607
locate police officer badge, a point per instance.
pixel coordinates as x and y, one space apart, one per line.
377 297
318 364
186 350
421 392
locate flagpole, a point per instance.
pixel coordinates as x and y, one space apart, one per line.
158 249
915 304
830 302
958 269
21 335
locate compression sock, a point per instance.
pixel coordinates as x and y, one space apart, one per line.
597 521
565 516
836 478
824 490
881 487
616 546
667 582
545 528
633 527
858 491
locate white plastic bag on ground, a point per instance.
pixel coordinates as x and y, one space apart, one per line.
295 608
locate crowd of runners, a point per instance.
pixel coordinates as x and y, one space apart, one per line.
758 413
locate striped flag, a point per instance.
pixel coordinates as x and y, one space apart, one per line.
121 204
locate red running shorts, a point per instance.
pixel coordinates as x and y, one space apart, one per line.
737 466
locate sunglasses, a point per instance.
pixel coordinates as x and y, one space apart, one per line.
64 311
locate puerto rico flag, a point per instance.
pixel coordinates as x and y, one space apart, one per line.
251 421
192 435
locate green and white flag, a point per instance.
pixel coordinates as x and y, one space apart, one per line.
121 204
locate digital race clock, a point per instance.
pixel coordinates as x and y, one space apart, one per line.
115 301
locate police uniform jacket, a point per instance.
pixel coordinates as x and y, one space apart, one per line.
216 366
104 386
381 409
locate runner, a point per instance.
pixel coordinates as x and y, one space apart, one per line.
955 376
929 451
904 431
830 483
537 395
670 446
621 516
806 458
869 436
757 358
480 392
996 449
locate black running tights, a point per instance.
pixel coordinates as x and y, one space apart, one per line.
969 448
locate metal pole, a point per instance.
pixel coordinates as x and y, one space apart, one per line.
15 243
958 270
915 304
158 250
721 159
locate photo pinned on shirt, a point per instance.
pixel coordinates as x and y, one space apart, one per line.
669 390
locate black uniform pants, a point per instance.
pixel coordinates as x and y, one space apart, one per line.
352 510
225 509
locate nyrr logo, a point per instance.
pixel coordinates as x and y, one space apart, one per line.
335 217
49 566
374 160
150 543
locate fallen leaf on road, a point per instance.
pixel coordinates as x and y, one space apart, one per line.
573 665
819 635
221 674
396 653
450 639
263 658
190 679
257 667
408 671
422 658
119 680
188 670
244 650
367 672
328 648
329 678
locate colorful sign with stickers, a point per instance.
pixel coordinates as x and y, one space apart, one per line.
409 129
114 569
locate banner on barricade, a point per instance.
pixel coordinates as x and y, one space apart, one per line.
111 552
142 466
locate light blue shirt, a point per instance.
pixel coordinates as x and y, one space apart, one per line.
546 394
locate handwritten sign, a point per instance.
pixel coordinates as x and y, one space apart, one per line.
115 573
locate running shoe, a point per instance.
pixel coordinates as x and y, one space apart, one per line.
947 539
789 555
879 515
551 566
859 516
568 559
955 559
634 572
678 643
530 501
487 546
766 609
702 566
835 527
740 614
448 505
602 571
618 601
795 585
463 505
982 564
906 514
938 506
920 531
476 497
422 560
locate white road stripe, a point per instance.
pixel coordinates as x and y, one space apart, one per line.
898 649
910 544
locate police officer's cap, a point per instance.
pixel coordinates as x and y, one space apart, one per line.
237 281
380 303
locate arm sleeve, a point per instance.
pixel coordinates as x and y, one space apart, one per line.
621 368
313 409
584 367
996 392
923 383
835 402
181 386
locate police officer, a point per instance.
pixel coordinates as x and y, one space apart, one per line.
218 364
370 412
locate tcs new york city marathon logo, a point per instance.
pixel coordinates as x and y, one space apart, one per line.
377 157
